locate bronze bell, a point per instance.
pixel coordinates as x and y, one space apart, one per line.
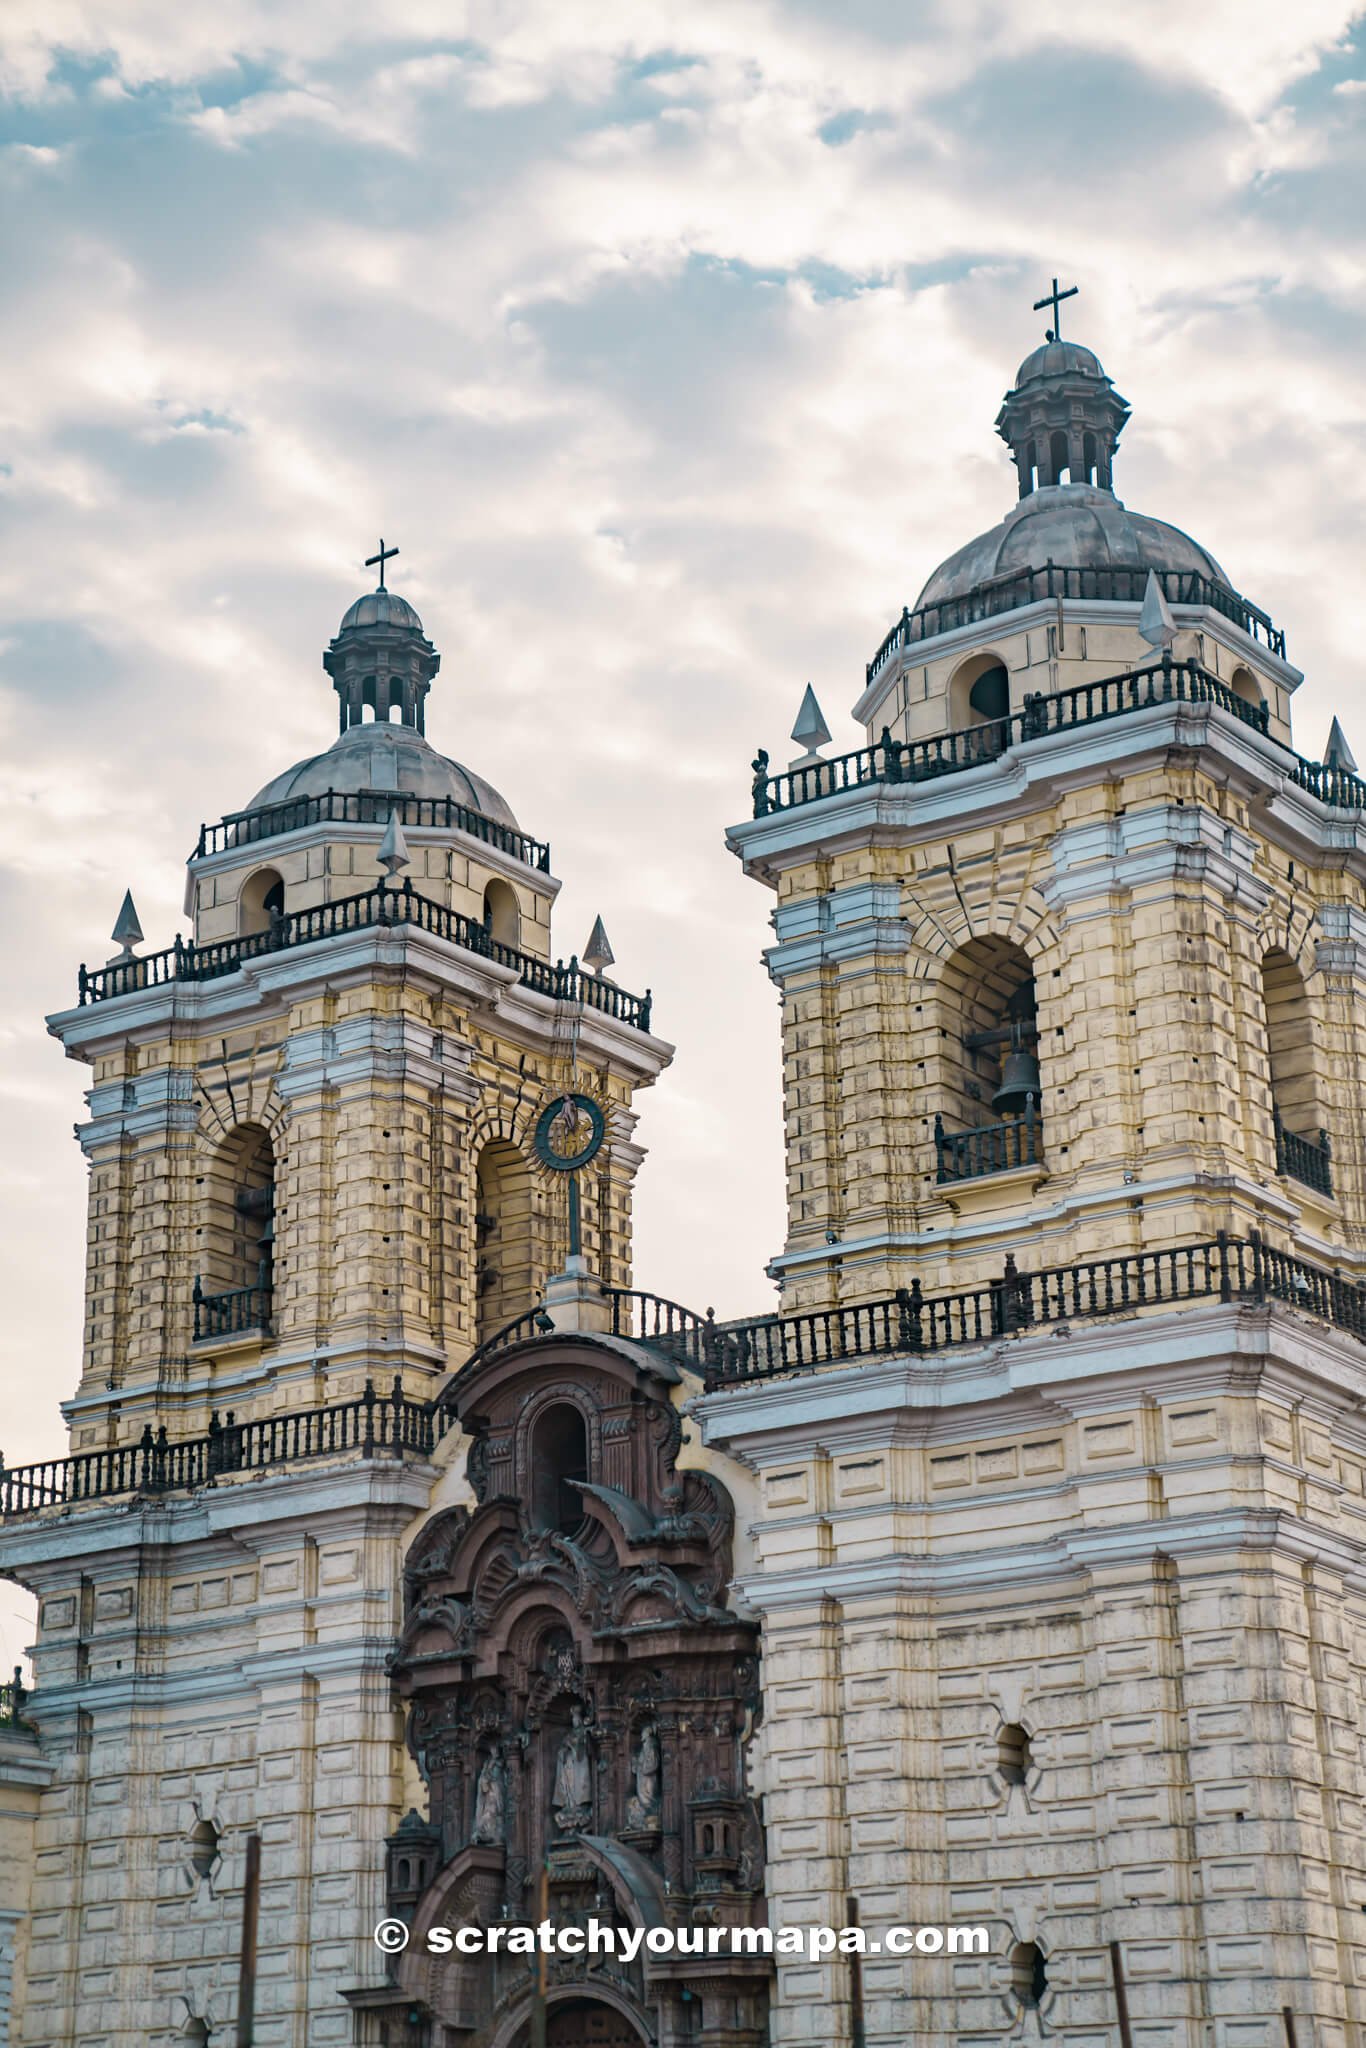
1019 1080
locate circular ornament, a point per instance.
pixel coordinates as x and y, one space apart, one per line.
569 1133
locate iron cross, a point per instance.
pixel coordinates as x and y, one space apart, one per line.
387 554
1054 299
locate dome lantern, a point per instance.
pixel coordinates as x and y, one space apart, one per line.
381 661
1063 416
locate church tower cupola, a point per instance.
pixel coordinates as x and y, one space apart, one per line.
1062 418
381 661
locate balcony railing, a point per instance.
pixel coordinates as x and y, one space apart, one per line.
988 1148
1030 586
1308 1160
185 961
950 753
369 807
907 1324
232 1313
12 1697
374 1425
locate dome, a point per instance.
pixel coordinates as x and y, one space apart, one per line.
382 608
1074 526
387 757
1058 359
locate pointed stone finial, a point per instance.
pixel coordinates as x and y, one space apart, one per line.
598 953
1155 621
127 931
1337 754
811 730
393 848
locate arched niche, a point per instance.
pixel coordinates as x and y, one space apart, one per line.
503 1238
262 896
237 1240
502 916
559 1457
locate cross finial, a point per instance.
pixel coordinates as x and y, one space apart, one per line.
1053 299
387 554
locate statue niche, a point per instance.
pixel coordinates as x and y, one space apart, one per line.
579 1694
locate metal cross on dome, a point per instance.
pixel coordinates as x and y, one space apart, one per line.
387 554
1053 299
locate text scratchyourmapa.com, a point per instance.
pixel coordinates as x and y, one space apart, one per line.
601 1938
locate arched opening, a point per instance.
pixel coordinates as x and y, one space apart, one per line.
502 919
1088 457
503 1241
1248 690
588 2023
988 1066
236 1268
262 899
1013 1755
196 2029
203 1847
559 1456
979 705
1057 455
1303 1147
368 697
1028 1974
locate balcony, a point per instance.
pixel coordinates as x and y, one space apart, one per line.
1307 1160
914 761
237 1312
372 909
988 1148
1110 585
369 807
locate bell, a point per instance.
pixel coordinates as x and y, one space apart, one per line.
1019 1080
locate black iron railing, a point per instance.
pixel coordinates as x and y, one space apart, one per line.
988 1148
950 753
12 1697
231 1313
369 807
1030 586
908 1324
185 961
1308 1160
1222 1269
373 1424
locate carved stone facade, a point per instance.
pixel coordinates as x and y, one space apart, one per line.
580 1696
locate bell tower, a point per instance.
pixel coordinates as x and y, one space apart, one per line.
1058 1430
315 1190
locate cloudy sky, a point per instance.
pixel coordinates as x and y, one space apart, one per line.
666 341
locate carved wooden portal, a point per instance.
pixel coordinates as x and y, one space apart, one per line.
580 1696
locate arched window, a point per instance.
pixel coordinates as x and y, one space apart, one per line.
989 1078
1057 455
502 919
1013 1755
503 1238
262 898
1303 1149
559 1456
368 697
236 1264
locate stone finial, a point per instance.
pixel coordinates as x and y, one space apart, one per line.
393 848
1337 754
127 931
811 730
598 953
1155 621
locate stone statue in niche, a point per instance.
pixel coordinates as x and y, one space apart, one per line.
491 1799
642 1808
572 1794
